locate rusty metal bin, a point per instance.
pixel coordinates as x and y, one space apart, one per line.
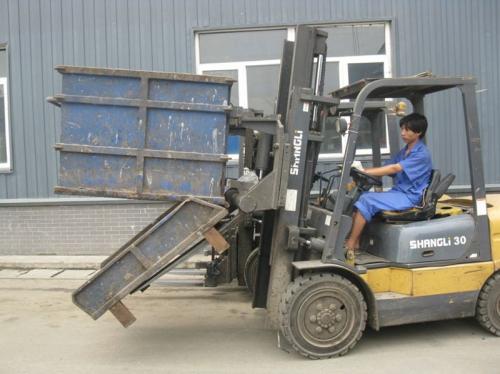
156 249
142 135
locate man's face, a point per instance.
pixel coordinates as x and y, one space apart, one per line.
408 135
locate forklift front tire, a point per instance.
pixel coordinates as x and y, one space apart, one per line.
322 315
488 305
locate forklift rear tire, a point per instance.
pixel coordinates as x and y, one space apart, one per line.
322 315
250 272
488 305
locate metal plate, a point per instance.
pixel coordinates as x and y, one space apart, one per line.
173 234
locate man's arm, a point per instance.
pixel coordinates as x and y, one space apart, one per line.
384 170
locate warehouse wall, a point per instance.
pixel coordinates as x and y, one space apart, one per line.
448 37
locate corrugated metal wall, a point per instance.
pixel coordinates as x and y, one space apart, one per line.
447 37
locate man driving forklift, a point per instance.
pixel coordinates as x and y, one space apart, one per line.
411 169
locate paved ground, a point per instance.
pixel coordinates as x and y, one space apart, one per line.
74 262
206 330
179 277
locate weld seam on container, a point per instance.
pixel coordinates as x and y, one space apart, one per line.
140 103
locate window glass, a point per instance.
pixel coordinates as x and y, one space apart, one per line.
331 77
241 46
332 142
365 135
365 70
355 40
3 109
233 74
3 63
3 126
263 87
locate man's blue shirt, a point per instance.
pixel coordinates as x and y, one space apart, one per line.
409 183
416 173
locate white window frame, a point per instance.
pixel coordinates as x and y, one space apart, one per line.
6 166
240 66
343 61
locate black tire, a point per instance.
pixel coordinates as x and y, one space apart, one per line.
322 315
250 272
488 305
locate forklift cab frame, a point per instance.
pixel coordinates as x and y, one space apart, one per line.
414 89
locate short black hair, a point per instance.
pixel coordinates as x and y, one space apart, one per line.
414 122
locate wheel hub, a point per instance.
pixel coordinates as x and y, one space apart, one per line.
325 318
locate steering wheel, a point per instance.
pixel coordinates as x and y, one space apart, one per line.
363 178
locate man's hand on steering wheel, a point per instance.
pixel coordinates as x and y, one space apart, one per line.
364 179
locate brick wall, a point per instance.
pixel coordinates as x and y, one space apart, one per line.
97 229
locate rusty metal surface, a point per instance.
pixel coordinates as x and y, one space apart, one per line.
216 240
118 101
65 69
122 314
156 248
142 135
228 228
176 155
134 195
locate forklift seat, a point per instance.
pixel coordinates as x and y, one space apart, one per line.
437 187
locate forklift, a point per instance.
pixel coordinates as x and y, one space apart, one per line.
281 226
437 261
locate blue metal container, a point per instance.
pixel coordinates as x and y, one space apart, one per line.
156 249
142 135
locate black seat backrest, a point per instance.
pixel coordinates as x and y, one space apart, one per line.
443 186
429 192
437 187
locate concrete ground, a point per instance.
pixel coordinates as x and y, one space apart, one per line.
205 330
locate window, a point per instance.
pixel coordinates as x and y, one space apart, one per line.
252 56
5 163
355 52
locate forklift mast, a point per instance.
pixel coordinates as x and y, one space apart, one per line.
299 109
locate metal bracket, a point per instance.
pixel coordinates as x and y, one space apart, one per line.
216 240
325 100
293 238
122 314
270 191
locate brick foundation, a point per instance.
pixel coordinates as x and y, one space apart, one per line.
87 229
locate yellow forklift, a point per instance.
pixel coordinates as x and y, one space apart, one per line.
440 260
437 261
